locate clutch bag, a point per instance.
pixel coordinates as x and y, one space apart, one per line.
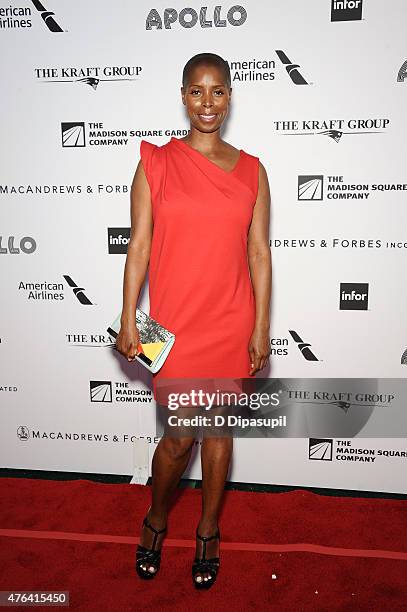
156 340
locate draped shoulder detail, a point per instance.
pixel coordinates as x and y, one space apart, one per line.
147 154
197 174
251 170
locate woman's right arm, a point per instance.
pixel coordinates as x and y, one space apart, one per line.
138 256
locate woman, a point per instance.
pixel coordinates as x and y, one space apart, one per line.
200 221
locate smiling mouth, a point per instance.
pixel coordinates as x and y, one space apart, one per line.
207 118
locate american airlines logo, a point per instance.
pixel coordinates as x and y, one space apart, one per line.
15 17
48 17
51 291
304 347
292 69
79 292
248 70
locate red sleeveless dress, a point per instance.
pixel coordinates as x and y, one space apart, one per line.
199 278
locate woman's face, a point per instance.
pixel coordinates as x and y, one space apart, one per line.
206 98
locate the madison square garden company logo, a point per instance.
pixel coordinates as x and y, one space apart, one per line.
107 391
77 134
352 451
80 134
317 188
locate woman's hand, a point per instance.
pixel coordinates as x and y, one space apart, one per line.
259 349
128 341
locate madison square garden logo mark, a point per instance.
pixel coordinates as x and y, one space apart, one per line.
320 449
310 187
346 10
73 134
100 391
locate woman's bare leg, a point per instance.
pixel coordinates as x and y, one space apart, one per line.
215 459
170 459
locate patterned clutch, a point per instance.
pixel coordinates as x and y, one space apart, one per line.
155 339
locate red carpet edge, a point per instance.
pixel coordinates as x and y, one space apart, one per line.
240 546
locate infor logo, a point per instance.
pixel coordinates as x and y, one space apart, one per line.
354 296
346 10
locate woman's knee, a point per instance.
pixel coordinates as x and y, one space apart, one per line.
177 447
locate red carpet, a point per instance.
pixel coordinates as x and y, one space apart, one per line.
327 553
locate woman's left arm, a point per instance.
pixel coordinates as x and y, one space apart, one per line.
259 259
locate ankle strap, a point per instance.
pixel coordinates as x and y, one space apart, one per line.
208 538
156 531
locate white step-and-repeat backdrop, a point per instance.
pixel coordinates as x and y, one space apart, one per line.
319 94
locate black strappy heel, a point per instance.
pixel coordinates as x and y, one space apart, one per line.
149 556
204 565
